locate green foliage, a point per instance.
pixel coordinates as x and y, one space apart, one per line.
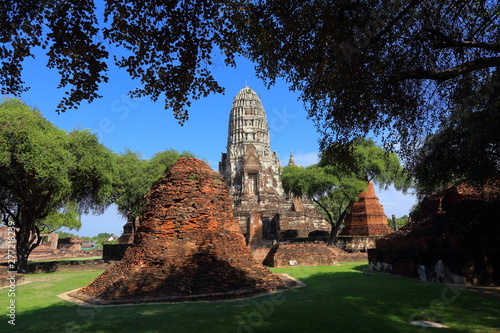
131 183
161 161
47 175
366 161
92 174
135 176
68 217
102 238
465 148
334 186
332 191
401 221
65 234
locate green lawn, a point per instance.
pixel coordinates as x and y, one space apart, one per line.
68 259
336 299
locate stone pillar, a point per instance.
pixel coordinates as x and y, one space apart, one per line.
254 229
395 222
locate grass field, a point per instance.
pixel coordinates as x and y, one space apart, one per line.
68 259
336 299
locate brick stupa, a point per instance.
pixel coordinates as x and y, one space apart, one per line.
188 247
365 223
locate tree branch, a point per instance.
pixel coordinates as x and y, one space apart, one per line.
444 41
393 22
451 73
330 217
469 44
8 211
36 241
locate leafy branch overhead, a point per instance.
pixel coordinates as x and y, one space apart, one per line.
390 68
167 46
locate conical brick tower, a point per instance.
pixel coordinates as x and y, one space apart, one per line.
365 223
188 247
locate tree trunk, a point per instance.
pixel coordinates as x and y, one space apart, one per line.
331 237
27 239
22 253
336 226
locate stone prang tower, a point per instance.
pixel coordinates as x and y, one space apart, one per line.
249 167
252 173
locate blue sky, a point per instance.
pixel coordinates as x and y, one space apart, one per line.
145 126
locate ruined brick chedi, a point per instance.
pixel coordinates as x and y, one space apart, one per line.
188 246
365 223
252 173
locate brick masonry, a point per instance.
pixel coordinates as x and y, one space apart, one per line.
454 237
309 254
364 224
188 243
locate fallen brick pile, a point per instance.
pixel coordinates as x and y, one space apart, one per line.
188 246
309 254
454 237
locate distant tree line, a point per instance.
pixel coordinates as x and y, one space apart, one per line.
100 239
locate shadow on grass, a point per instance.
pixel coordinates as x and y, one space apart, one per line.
335 299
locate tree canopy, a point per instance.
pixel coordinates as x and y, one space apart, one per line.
135 175
390 68
47 173
166 45
464 148
335 187
333 192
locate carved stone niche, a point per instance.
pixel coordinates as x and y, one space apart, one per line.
251 162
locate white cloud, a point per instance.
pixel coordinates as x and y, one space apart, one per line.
305 159
395 202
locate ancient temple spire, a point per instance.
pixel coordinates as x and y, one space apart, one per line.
252 173
365 223
291 161
249 167
248 123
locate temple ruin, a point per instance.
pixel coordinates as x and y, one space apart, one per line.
453 238
188 247
365 223
252 172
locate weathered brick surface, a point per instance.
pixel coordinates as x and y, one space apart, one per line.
453 237
114 251
72 244
188 244
367 217
308 254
